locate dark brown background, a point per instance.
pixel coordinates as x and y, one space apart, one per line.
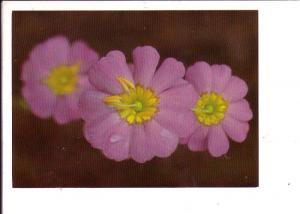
48 155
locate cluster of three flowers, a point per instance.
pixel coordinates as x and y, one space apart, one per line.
137 110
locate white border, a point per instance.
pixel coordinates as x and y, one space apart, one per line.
279 100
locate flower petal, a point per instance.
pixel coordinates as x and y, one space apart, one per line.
145 60
162 142
104 73
91 105
40 99
182 97
221 75
200 75
184 141
179 82
131 68
117 142
33 71
95 131
235 90
235 129
180 123
72 101
61 111
240 110
84 84
167 74
217 141
66 109
83 54
140 150
198 141
51 53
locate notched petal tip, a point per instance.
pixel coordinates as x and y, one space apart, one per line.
180 68
116 54
200 64
110 57
222 67
235 129
236 89
146 48
56 39
83 50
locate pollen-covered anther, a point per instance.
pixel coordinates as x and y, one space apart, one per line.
63 79
210 109
136 104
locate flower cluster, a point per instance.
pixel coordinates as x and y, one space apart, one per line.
140 109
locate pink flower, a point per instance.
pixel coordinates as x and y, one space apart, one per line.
220 109
54 76
137 111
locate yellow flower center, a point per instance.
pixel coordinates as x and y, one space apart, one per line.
136 105
210 109
63 79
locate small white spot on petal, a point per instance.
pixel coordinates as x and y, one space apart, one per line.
167 134
115 138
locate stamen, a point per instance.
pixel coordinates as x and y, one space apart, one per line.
63 79
126 84
136 105
112 99
210 109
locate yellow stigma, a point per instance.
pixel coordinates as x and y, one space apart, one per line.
210 109
136 105
63 79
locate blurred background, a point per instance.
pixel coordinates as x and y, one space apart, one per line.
46 154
